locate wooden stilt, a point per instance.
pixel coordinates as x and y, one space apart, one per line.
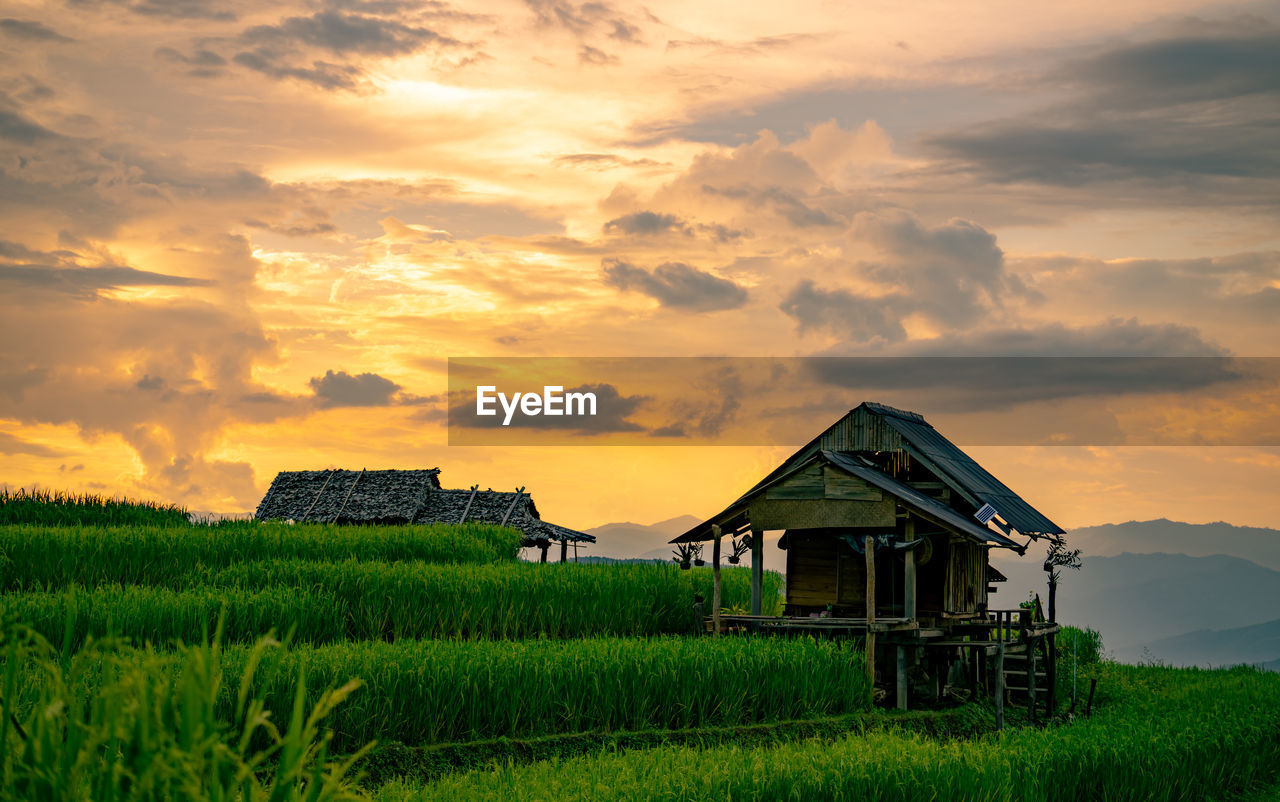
757 569
901 679
869 546
715 578
1031 680
564 550
999 698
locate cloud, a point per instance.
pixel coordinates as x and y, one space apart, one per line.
1199 106
597 57
676 285
12 444
642 223
170 9
280 50
202 63
858 318
343 389
1000 368
31 31
87 281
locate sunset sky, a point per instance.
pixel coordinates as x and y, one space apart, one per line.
238 238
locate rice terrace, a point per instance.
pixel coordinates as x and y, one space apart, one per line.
627 400
374 635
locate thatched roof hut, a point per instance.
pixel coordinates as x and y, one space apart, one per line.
404 497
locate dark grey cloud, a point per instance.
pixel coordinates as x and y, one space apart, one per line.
87 281
646 222
340 33
783 203
12 444
839 311
31 31
597 57
16 128
1000 368
342 389
171 9
1180 110
301 47
953 272
676 285
201 63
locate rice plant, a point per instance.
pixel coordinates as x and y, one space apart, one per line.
422 692
318 602
41 557
63 508
1164 734
112 723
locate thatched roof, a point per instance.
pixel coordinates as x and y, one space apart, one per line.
495 507
401 497
381 497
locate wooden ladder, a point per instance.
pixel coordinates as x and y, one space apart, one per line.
1017 674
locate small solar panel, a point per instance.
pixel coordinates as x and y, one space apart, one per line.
986 513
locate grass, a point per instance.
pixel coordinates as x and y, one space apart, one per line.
395 761
43 557
1164 734
421 692
319 602
430 692
61 508
155 727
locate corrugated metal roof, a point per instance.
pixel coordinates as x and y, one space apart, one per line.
927 444
926 506
922 442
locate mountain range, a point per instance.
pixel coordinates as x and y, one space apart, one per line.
1178 593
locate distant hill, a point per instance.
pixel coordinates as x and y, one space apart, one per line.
1136 599
631 540
1255 544
1257 644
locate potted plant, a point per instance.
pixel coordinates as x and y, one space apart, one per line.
697 554
827 612
740 548
683 554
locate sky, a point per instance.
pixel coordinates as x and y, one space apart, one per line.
238 238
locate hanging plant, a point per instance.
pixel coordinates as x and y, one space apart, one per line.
740 547
697 554
683 554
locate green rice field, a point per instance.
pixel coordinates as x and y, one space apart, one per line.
149 659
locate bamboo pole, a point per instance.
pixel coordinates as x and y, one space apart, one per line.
902 678
757 571
715 578
869 546
999 700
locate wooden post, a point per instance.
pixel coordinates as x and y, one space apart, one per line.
1051 670
715 578
999 700
902 678
544 549
869 547
1031 680
757 569
564 549
1088 709
909 585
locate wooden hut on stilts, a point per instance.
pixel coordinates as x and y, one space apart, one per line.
887 527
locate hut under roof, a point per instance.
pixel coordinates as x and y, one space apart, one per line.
406 497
